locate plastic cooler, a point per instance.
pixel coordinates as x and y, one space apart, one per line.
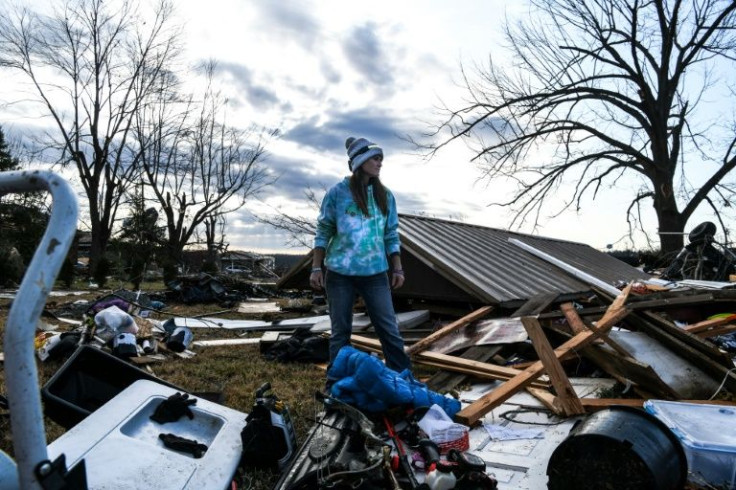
707 434
121 449
87 380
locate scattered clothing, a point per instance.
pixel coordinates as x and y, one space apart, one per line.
173 408
181 444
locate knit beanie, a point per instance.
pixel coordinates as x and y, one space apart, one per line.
360 150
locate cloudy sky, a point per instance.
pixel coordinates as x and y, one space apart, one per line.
326 70
323 70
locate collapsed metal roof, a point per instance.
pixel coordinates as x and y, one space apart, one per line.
483 260
462 262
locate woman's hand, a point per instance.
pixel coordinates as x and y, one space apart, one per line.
317 279
397 279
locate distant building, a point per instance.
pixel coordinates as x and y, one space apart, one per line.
248 263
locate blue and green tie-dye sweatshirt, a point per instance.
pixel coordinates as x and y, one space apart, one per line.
356 245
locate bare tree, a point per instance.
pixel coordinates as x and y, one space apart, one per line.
610 92
198 168
83 63
300 228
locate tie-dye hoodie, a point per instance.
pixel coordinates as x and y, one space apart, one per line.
356 245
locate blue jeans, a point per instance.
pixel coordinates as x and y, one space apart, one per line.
376 294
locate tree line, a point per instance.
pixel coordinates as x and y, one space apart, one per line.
107 75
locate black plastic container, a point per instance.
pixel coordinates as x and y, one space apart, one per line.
622 448
87 380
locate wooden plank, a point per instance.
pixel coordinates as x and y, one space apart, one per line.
714 332
449 380
448 329
694 342
548 400
572 317
445 361
706 324
476 373
445 381
566 395
711 364
535 305
577 325
669 302
149 359
596 404
473 412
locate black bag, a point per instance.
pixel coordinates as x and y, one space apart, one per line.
302 346
263 443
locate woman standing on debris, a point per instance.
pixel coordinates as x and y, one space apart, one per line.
357 233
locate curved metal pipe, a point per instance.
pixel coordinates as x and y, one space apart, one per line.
21 374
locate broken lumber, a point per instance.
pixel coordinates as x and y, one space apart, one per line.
715 332
448 329
578 325
450 363
707 324
566 395
473 412
711 363
448 380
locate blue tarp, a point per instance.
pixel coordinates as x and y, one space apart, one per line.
366 383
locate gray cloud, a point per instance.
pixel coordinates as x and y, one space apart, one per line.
258 96
294 177
290 20
366 54
370 122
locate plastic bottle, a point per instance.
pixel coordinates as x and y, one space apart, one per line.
439 480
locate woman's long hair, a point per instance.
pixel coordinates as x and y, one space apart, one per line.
359 192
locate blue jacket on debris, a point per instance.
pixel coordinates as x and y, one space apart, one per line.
367 384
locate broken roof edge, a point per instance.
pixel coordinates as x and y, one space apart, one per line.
484 227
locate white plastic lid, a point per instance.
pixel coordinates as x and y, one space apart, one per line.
701 425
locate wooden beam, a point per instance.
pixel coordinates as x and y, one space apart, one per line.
706 324
535 305
473 412
646 304
477 373
566 395
710 362
595 404
446 380
547 399
451 363
573 319
578 325
714 332
448 329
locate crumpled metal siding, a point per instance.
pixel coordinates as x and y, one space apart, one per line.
482 260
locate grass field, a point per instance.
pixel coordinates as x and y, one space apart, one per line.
235 371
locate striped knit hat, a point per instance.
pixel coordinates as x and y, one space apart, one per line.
360 150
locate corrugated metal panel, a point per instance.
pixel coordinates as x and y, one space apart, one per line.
481 260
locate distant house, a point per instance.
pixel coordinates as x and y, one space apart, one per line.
248 263
453 262
83 243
